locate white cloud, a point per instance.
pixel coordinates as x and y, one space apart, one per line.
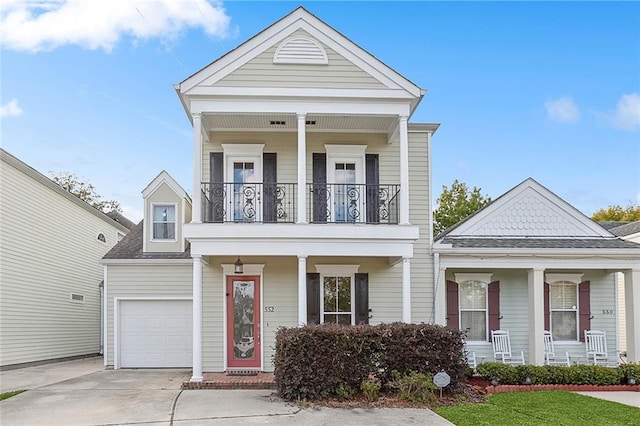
627 113
10 109
34 25
562 110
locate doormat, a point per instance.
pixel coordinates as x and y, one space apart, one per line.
242 373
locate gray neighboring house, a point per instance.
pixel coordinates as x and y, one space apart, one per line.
530 262
51 243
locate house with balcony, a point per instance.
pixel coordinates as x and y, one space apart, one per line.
311 204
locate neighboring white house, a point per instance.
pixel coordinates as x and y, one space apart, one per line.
530 262
311 204
51 243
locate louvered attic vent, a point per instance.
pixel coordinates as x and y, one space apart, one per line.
300 50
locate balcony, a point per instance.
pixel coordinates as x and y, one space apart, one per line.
276 203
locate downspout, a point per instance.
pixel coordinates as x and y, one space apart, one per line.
101 286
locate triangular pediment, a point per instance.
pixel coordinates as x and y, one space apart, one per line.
165 178
529 210
299 51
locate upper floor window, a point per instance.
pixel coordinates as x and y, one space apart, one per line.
164 222
563 304
473 309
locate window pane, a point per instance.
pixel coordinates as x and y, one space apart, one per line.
330 294
331 318
344 294
564 325
473 295
563 295
476 323
344 319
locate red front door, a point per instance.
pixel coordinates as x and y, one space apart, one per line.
243 322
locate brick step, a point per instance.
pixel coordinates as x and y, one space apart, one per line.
260 380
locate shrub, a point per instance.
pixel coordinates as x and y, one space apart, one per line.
630 370
414 386
370 388
574 375
314 361
345 392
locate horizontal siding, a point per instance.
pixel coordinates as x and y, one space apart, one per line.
48 249
262 72
515 312
143 281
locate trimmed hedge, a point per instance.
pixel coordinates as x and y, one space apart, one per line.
558 375
314 361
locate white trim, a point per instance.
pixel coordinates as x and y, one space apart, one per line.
576 310
228 270
242 149
485 277
572 278
116 319
343 270
164 177
152 238
197 145
104 238
486 303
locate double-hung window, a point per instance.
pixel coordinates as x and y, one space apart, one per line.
563 303
164 222
473 309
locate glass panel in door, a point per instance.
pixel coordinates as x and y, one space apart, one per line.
243 322
244 192
346 195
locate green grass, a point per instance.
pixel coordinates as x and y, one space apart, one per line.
6 395
542 408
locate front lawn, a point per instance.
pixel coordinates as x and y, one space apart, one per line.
541 408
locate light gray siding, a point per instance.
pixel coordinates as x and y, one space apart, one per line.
262 72
164 195
49 248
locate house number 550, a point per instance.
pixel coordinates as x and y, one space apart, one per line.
607 312
269 309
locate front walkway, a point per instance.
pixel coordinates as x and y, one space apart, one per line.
230 381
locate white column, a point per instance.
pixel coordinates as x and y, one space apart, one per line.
302 290
632 307
197 319
196 214
302 169
406 289
440 298
404 170
536 316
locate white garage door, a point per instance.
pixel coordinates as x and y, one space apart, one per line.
156 333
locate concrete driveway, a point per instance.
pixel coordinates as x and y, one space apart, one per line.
154 397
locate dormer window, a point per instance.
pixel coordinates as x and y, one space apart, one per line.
164 222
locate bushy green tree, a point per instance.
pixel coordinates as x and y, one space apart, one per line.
455 204
617 213
85 191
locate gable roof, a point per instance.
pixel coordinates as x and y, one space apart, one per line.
529 216
118 217
164 177
48 183
300 19
626 228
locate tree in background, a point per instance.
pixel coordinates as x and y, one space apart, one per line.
85 191
617 213
455 204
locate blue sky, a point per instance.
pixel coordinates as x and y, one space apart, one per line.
546 90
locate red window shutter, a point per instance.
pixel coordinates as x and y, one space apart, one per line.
453 320
547 307
584 305
494 306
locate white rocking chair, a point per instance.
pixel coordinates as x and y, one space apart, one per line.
596 345
502 348
550 356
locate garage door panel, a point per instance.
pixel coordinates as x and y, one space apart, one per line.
156 334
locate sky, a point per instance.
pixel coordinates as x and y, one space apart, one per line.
548 90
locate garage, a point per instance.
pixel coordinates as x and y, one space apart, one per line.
155 333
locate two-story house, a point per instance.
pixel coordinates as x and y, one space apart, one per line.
311 204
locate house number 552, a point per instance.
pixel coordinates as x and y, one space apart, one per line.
269 309
607 312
